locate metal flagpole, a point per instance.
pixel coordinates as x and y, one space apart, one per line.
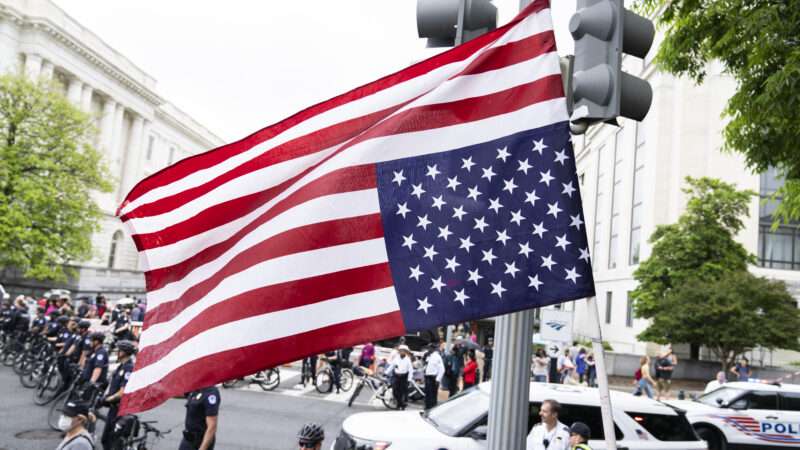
602 376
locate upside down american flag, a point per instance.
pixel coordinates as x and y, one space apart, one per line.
442 193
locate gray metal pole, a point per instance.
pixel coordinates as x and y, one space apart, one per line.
602 375
509 401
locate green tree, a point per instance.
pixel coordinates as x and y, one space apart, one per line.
699 246
729 315
48 169
758 43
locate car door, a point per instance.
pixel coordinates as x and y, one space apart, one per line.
789 403
570 413
754 418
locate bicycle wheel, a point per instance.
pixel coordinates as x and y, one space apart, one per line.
324 381
21 363
356 391
30 378
54 414
48 388
346 379
230 383
271 379
387 397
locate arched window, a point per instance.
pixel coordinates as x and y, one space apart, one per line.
116 240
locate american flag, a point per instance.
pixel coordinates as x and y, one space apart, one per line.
442 193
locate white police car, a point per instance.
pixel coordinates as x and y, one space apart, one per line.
460 423
742 415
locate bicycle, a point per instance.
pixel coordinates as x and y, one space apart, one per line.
267 380
377 384
130 433
324 380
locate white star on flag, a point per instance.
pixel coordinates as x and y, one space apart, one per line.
433 171
539 146
402 209
572 275
461 296
415 273
424 305
548 262
398 177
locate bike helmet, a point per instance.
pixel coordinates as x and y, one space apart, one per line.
97 336
311 434
84 324
127 347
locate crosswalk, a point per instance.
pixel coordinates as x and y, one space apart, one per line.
290 386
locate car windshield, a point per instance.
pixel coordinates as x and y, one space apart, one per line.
721 396
459 412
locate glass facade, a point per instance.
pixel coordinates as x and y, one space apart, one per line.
636 204
779 248
609 297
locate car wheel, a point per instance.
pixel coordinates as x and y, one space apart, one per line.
715 439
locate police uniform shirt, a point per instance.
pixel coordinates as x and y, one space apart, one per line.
556 439
120 377
53 329
99 359
402 365
39 322
199 405
67 339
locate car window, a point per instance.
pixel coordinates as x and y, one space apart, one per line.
756 400
790 401
665 427
721 396
460 412
590 415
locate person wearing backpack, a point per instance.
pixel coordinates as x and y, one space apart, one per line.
75 417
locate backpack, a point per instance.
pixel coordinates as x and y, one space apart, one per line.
638 374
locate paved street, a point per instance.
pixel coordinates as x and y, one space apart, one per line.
249 419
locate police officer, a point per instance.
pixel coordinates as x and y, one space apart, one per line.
122 326
96 369
39 322
579 434
83 344
550 433
125 352
202 408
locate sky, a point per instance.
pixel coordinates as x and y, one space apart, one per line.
241 65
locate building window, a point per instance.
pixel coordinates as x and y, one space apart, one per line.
636 203
116 240
598 207
151 141
609 296
171 155
779 248
616 204
629 312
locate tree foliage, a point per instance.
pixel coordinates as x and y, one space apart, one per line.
48 169
700 245
758 43
729 315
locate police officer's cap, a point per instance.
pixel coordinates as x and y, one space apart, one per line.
97 336
62 319
127 347
84 324
581 429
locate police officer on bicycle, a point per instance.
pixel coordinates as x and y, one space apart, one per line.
202 408
125 352
96 369
311 436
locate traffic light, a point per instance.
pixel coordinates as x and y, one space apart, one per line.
447 23
603 31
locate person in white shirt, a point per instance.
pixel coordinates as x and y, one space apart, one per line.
401 368
434 371
549 434
714 384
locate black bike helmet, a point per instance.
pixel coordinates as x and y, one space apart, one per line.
311 434
84 324
97 336
127 347
62 320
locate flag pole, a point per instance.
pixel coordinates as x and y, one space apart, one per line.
602 375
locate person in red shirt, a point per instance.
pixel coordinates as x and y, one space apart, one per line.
470 371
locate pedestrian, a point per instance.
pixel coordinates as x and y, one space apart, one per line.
200 427
452 367
579 434
646 382
310 437
591 370
550 433
125 352
665 365
566 367
367 358
580 365
742 370
401 370
488 357
309 370
434 372
540 366
715 383
553 374
74 422
470 370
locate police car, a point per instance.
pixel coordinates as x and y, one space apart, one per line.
460 423
743 415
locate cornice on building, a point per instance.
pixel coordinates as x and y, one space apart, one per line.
183 122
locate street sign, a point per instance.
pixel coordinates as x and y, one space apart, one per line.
556 325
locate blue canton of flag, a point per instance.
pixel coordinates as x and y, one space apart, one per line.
486 229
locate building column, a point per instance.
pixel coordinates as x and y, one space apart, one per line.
86 98
33 66
116 139
132 155
74 91
47 70
107 127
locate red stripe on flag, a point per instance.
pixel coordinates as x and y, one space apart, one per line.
274 298
512 53
215 156
300 239
348 179
243 361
